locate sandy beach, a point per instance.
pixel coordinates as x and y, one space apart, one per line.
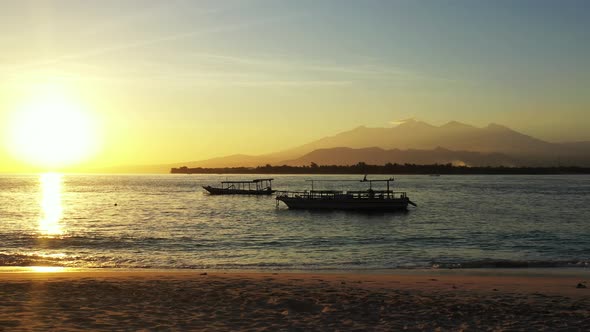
172 300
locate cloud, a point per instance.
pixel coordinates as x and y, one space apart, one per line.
293 83
146 42
399 122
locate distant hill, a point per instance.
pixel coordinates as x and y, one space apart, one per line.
420 142
420 135
233 160
378 156
410 142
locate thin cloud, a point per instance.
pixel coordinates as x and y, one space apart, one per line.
399 122
292 83
148 42
146 13
357 71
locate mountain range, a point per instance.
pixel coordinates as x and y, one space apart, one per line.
415 142
421 143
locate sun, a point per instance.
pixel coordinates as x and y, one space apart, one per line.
51 130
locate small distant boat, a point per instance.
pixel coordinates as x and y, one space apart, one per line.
252 187
365 200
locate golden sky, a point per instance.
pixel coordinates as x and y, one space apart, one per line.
97 84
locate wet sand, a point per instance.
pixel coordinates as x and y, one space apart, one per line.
217 301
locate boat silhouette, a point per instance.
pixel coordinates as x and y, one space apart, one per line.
365 200
251 187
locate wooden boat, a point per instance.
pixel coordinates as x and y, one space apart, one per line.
366 200
252 187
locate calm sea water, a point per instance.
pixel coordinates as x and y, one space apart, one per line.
168 221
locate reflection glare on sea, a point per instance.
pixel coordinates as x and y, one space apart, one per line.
51 208
42 269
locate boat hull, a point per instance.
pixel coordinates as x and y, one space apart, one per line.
224 191
394 204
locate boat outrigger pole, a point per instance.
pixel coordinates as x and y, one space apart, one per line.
391 179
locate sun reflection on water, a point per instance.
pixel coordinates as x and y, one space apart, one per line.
51 208
42 269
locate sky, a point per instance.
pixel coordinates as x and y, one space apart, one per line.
174 81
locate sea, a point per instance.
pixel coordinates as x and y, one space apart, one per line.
169 222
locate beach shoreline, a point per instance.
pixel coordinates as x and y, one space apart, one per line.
520 299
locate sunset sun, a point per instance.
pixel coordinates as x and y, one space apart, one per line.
52 130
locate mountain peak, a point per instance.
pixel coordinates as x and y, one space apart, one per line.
360 127
456 124
412 123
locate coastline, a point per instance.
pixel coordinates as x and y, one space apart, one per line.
410 169
487 299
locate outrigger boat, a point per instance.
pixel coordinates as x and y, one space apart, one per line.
253 187
366 200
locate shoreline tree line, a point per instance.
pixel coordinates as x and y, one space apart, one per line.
389 168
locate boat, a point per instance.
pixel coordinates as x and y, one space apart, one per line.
365 200
251 187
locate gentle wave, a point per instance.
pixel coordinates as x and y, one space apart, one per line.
503 264
35 259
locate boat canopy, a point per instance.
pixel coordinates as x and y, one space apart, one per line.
250 181
387 181
250 185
